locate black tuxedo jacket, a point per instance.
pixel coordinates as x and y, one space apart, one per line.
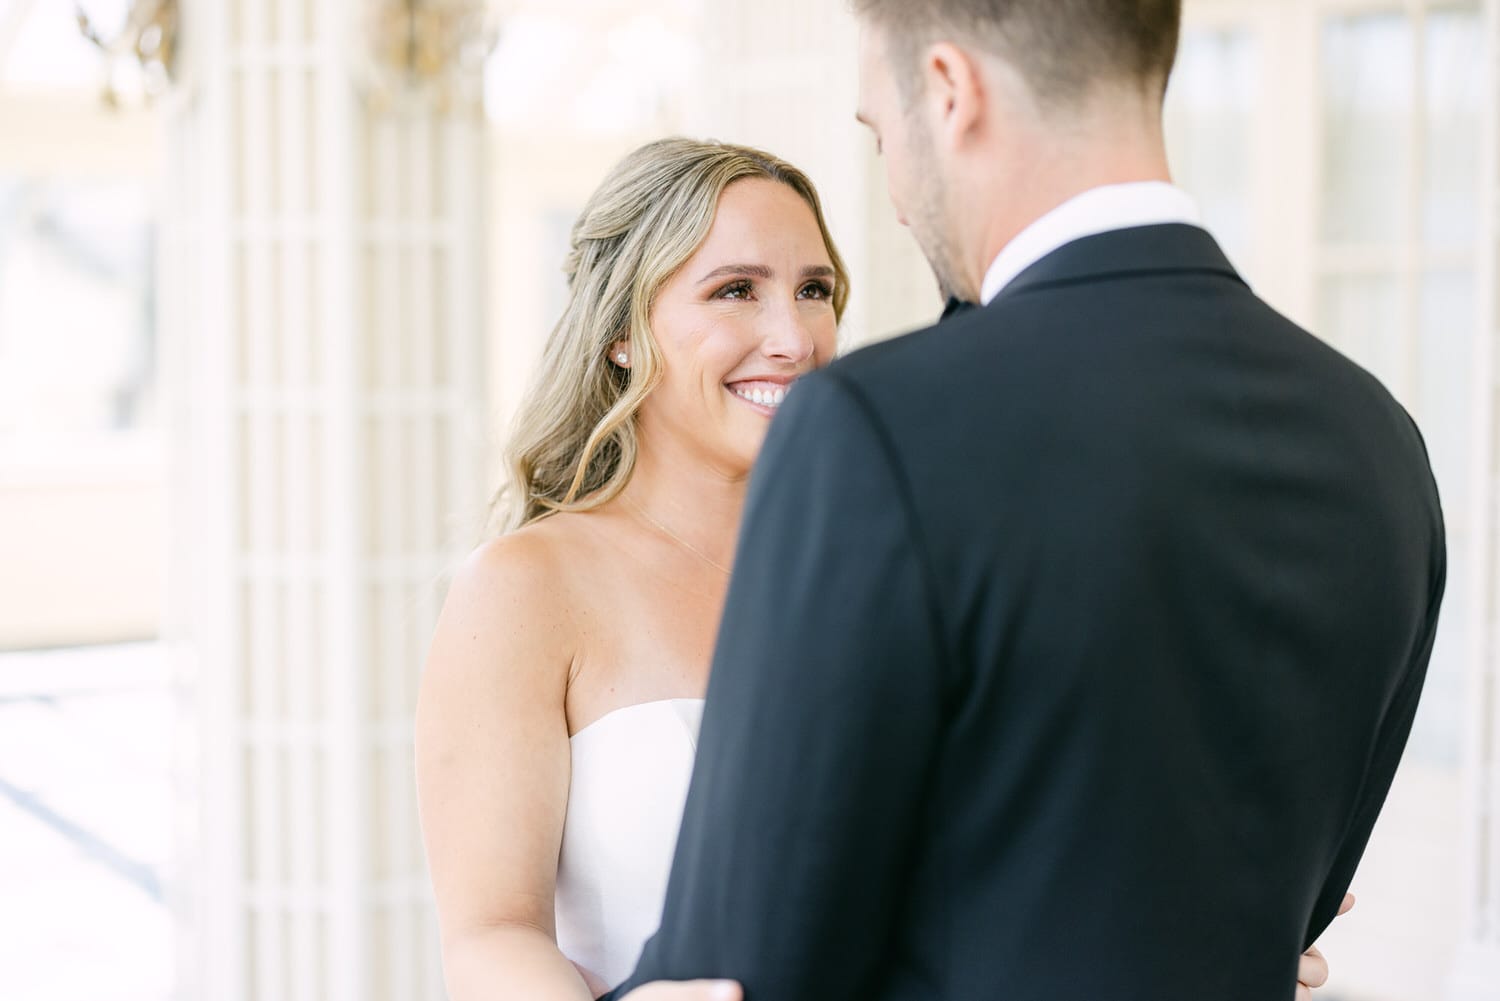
1071 648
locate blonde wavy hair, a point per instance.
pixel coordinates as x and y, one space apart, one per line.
574 443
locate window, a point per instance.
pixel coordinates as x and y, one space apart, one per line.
1397 262
77 351
78 354
1334 148
1215 89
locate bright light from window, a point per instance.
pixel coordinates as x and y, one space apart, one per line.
76 278
47 52
620 77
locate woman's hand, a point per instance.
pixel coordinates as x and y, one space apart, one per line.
1312 973
687 990
1312 970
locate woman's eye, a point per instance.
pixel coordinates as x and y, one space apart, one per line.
816 290
738 290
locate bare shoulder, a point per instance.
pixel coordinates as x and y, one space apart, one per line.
514 609
508 607
519 573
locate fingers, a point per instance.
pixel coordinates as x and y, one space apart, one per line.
687 990
1312 970
708 990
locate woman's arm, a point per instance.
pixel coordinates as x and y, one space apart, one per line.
493 769
493 765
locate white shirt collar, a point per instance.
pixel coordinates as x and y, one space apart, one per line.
1099 210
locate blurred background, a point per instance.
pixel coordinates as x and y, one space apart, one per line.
273 274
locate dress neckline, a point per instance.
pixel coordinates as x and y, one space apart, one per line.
629 708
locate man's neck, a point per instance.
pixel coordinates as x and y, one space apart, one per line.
1055 182
1098 210
1045 162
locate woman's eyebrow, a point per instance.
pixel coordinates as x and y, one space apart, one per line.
750 270
763 272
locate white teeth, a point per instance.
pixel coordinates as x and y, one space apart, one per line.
764 397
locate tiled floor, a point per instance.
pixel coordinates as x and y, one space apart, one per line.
85 825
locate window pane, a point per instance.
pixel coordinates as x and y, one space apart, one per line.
1437 732
1367 103
1450 183
76 281
1445 403
1445 414
1361 316
1209 108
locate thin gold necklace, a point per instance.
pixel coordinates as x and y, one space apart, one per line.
685 544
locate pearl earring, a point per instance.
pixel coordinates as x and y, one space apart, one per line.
622 358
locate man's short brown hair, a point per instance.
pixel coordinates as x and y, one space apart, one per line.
1063 48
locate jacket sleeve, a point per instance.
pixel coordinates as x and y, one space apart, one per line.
1390 743
822 725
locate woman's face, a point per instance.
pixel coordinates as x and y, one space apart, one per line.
750 312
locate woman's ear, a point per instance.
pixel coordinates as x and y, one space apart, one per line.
619 353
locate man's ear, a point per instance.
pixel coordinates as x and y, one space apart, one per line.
954 92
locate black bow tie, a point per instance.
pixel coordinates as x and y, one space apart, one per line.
954 307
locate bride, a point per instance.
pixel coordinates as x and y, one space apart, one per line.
560 702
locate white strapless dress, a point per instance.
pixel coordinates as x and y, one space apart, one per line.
630 780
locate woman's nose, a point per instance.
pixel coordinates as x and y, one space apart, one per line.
790 338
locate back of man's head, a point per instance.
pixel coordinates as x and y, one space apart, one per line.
1064 49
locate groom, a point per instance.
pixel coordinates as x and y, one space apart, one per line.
1072 643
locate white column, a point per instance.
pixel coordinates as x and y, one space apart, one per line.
323 276
1476 973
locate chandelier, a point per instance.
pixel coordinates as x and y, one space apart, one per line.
428 47
147 39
